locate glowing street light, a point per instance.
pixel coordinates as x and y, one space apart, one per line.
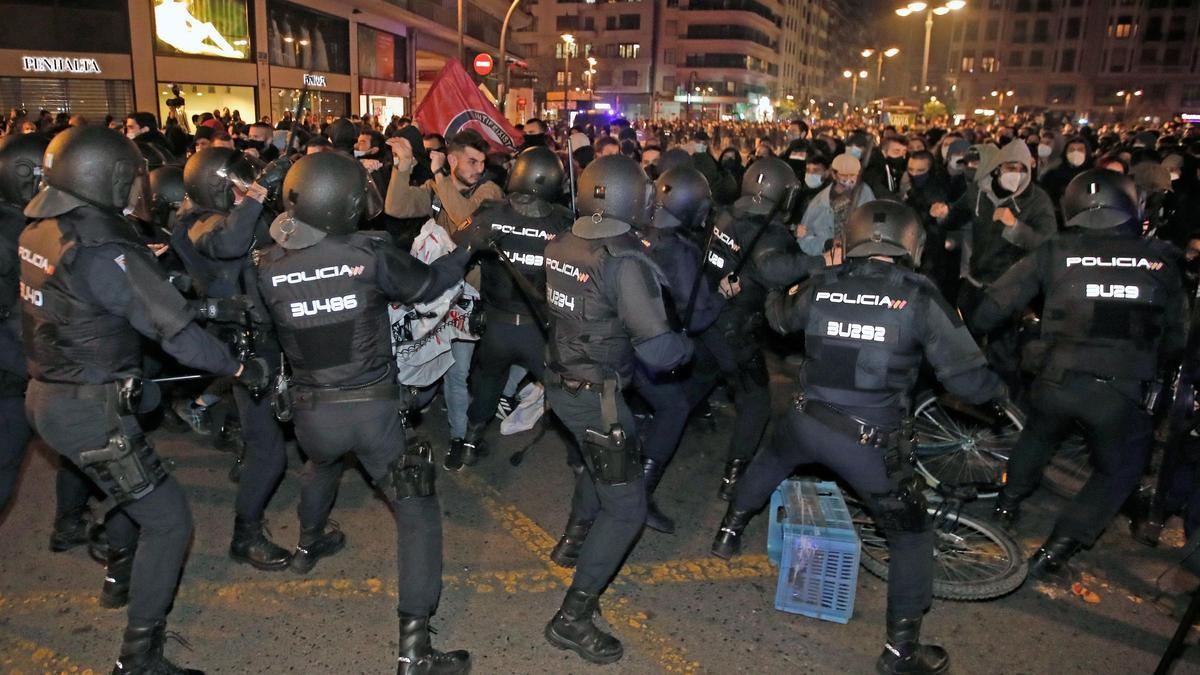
882 53
941 10
568 41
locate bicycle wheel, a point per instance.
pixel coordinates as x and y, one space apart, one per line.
958 444
972 560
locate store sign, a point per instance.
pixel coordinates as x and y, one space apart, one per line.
314 80
59 64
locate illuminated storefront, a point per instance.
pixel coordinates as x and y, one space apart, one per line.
213 98
94 78
382 70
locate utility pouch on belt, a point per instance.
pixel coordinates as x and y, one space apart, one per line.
413 473
129 396
613 459
126 468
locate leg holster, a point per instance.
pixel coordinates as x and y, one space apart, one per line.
612 457
412 474
127 468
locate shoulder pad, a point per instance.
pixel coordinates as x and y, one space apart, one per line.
491 204
630 246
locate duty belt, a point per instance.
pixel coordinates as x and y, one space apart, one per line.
509 318
308 397
83 392
862 431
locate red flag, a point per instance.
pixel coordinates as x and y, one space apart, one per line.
454 104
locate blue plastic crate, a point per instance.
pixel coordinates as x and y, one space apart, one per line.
812 538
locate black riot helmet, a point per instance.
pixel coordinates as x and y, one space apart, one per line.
616 187
211 175
166 193
328 191
682 197
1099 199
342 134
884 227
537 173
770 183
21 167
92 165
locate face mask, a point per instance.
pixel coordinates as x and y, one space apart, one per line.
1044 151
132 135
846 184
955 166
798 156
698 148
533 140
897 164
1010 181
1076 158
969 172
919 180
854 151
652 171
1174 176
360 153
813 180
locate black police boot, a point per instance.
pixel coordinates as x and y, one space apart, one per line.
734 469
655 519
905 655
417 655
474 447
70 530
98 542
729 538
250 545
454 456
566 551
1049 563
1007 511
314 545
142 653
573 628
117 573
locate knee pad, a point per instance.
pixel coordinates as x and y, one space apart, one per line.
412 474
127 468
902 510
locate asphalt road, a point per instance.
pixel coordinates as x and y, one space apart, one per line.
676 608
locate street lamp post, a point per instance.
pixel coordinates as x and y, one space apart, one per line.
916 7
1002 94
854 77
568 40
889 53
591 73
1128 95
504 81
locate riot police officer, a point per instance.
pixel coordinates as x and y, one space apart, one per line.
513 308
167 192
214 235
90 291
606 309
682 204
326 287
867 324
750 252
1114 317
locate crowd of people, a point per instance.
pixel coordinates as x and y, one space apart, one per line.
332 272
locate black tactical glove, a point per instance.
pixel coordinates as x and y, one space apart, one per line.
476 238
255 375
228 310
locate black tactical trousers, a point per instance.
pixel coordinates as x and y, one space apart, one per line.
799 439
374 432
617 512
162 519
266 456
14 436
501 346
668 397
729 349
1118 435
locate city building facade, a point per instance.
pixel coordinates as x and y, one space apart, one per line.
253 56
1101 60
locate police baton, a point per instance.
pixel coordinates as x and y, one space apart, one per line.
182 378
291 136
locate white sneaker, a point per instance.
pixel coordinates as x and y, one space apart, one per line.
527 412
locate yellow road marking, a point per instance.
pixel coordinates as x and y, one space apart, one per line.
669 656
19 656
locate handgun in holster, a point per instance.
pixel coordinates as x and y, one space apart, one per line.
127 468
612 457
412 474
281 393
